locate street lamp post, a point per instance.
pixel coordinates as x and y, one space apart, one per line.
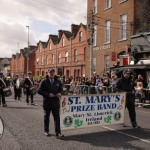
27 53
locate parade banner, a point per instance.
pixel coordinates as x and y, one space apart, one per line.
78 111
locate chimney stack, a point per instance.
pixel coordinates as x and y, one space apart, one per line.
74 28
60 32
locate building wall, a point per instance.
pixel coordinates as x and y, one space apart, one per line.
20 65
13 66
64 68
39 53
32 63
101 49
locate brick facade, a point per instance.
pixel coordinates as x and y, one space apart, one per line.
19 62
39 59
103 51
63 47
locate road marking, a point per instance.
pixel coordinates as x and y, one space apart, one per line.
135 137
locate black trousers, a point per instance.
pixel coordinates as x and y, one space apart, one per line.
27 98
17 93
2 98
55 112
130 104
28 94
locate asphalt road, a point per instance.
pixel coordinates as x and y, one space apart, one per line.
23 130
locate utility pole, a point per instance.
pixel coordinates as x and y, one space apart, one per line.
27 53
91 40
55 59
70 54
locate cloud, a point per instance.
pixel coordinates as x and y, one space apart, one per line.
42 16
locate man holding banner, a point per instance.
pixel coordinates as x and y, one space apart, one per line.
51 89
124 84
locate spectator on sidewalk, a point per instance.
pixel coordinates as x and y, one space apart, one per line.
139 92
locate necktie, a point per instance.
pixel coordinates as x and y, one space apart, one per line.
51 81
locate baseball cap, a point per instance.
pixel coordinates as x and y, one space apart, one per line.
126 71
29 72
51 70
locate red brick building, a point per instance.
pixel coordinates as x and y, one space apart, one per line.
13 65
65 52
19 62
113 21
40 59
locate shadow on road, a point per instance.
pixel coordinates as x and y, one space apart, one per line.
111 139
21 107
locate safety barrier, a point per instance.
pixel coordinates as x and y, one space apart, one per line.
69 89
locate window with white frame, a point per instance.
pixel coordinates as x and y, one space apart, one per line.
106 62
121 1
107 4
75 55
94 6
59 58
107 32
42 60
47 60
80 36
123 27
66 56
94 35
53 57
50 46
63 42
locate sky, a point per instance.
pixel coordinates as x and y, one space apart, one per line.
43 17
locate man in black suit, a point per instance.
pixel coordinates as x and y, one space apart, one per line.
29 83
125 84
51 88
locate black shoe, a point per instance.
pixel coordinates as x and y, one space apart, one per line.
123 125
136 126
59 136
32 103
4 105
47 133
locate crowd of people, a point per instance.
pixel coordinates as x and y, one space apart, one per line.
104 84
79 85
51 87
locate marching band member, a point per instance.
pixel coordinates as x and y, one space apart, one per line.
17 88
29 83
51 88
2 86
